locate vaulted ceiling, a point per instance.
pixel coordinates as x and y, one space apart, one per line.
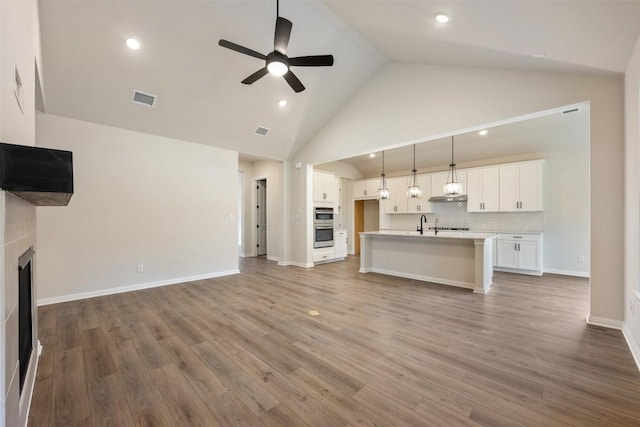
89 74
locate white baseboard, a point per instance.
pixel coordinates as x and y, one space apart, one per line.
295 264
245 255
404 275
137 287
272 258
604 322
518 271
567 272
633 345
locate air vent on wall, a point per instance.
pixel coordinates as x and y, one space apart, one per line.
573 110
262 131
143 98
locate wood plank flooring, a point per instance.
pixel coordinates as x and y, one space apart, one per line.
243 350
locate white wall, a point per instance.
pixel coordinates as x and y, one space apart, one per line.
406 103
341 169
248 194
631 327
19 47
138 199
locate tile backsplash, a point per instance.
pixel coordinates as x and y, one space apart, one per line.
454 214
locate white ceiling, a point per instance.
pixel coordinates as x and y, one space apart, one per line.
89 74
534 137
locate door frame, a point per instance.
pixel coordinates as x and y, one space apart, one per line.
254 223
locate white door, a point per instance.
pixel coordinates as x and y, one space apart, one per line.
490 189
261 215
507 256
397 202
509 188
475 196
529 187
528 256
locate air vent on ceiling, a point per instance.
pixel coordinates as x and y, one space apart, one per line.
143 98
262 131
572 110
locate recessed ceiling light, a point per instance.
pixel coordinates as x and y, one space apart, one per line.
483 132
282 103
442 17
133 44
372 155
539 55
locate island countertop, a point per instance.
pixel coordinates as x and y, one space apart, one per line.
443 234
454 258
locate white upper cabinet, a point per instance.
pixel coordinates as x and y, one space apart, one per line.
366 188
325 187
397 202
483 189
521 187
421 204
439 179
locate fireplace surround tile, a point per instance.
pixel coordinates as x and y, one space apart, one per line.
20 218
11 348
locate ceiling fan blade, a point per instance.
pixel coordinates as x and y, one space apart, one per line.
256 76
293 81
241 49
312 61
281 38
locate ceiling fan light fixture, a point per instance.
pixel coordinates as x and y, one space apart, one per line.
277 67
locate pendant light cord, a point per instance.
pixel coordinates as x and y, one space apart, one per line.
277 9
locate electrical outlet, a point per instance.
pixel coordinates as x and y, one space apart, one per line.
581 258
140 268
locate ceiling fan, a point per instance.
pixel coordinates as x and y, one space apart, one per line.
277 62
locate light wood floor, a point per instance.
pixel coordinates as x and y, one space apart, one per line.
243 350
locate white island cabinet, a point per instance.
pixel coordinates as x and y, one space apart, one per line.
519 253
462 259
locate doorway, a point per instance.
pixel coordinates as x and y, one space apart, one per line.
261 216
358 227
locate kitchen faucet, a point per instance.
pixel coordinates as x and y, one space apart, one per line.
436 227
421 229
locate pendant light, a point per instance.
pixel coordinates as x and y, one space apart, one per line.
383 191
453 186
414 191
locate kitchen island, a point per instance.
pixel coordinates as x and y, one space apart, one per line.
463 259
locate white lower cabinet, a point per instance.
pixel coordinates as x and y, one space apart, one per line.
324 254
519 253
340 243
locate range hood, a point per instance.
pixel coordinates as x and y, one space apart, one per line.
458 198
41 176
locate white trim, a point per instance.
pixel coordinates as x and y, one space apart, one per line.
633 345
139 286
518 271
295 264
32 384
272 258
405 275
245 255
604 322
567 272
